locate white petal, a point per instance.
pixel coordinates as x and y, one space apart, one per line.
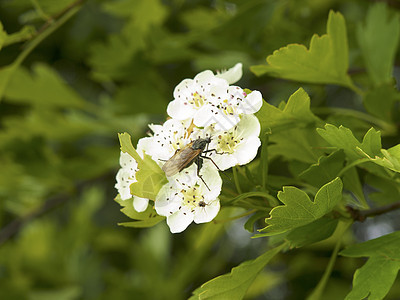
247 150
166 200
252 103
144 145
207 213
183 89
224 161
178 110
140 204
248 126
179 221
204 116
226 122
123 183
210 175
127 161
204 76
233 74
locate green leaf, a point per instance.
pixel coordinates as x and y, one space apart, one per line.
386 190
299 210
325 170
390 158
308 144
379 100
343 138
325 62
3 36
148 218
311 233
296 111
379 39
374 279
44 88
26 33
150 178
234 285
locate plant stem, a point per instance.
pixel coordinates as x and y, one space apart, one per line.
235 217
236 180
317 293
362 215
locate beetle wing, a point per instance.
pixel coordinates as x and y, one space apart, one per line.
180 160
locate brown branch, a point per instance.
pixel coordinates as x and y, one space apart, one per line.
362 215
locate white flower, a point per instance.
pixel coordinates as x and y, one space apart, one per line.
192 94
127 175
237 146
226 107
167 138
185 198
232 75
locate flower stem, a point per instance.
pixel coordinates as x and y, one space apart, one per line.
236 180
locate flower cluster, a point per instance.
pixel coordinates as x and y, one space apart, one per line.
206 111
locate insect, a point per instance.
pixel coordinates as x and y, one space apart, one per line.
191 153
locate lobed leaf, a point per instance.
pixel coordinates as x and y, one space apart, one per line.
374 279
325 62
150 178
235 284
298 210
296 111
342 138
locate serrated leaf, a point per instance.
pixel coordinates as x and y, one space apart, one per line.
374 279
390 158
296 111
298 210
379 39
325 170
150 178
343 138
235 284
311 233
325 62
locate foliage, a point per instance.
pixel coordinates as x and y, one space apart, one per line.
73 74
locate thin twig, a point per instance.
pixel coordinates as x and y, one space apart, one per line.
362 215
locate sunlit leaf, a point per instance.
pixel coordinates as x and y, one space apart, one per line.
377 275
298 210
342 138
150 178
325 62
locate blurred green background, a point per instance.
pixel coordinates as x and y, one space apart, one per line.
111 67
